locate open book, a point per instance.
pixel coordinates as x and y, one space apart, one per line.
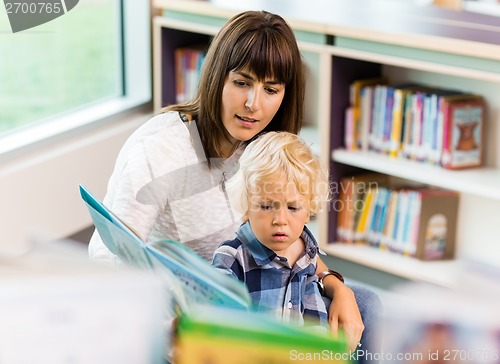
190 279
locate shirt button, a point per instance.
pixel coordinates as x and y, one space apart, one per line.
290 305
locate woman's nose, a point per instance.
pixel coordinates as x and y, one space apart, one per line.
253 100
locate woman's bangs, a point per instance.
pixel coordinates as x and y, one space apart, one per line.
266 57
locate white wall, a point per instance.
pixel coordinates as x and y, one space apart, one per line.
39 187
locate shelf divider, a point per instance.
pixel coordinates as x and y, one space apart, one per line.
484 182
442 273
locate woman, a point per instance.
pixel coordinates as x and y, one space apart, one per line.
169 177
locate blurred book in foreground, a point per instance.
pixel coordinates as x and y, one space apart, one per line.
57 307
430 324
227 336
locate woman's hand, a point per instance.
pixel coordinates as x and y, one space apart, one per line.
344 313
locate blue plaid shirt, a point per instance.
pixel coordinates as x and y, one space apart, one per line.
292 292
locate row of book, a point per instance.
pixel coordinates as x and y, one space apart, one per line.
418 222
188 62
432 125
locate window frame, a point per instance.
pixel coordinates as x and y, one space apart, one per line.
136 85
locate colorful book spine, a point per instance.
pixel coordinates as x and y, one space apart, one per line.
349 129
355 103
364 222
188 63
397 122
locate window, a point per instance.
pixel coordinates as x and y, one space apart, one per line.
87 64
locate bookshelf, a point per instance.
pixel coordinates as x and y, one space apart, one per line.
342 41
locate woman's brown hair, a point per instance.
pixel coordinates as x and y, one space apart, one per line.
259 42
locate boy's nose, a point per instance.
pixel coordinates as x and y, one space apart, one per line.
279 217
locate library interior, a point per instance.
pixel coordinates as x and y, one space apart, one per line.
401 107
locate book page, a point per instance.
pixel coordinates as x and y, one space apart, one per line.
202 282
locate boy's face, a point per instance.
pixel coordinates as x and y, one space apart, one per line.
277 213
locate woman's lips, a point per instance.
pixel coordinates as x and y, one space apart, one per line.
248 122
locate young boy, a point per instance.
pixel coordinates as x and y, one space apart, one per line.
279 186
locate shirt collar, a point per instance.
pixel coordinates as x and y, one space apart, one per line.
262 254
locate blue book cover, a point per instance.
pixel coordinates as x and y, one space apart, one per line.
190 279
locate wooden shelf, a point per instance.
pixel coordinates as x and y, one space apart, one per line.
442 273
484 182
491 75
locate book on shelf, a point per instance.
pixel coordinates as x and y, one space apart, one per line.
463 130
418 222
433 124
190 279
377 125
385 241
349 129
437 221
379 216
363 221
366 116
397 121
358 126
419 122
399 116
188 63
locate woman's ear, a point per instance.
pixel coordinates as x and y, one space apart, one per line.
245 217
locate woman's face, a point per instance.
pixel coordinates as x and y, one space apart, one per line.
248 105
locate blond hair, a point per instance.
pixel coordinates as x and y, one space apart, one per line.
279 156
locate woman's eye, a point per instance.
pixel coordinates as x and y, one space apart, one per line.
266 207
271 91
239 83
293 208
